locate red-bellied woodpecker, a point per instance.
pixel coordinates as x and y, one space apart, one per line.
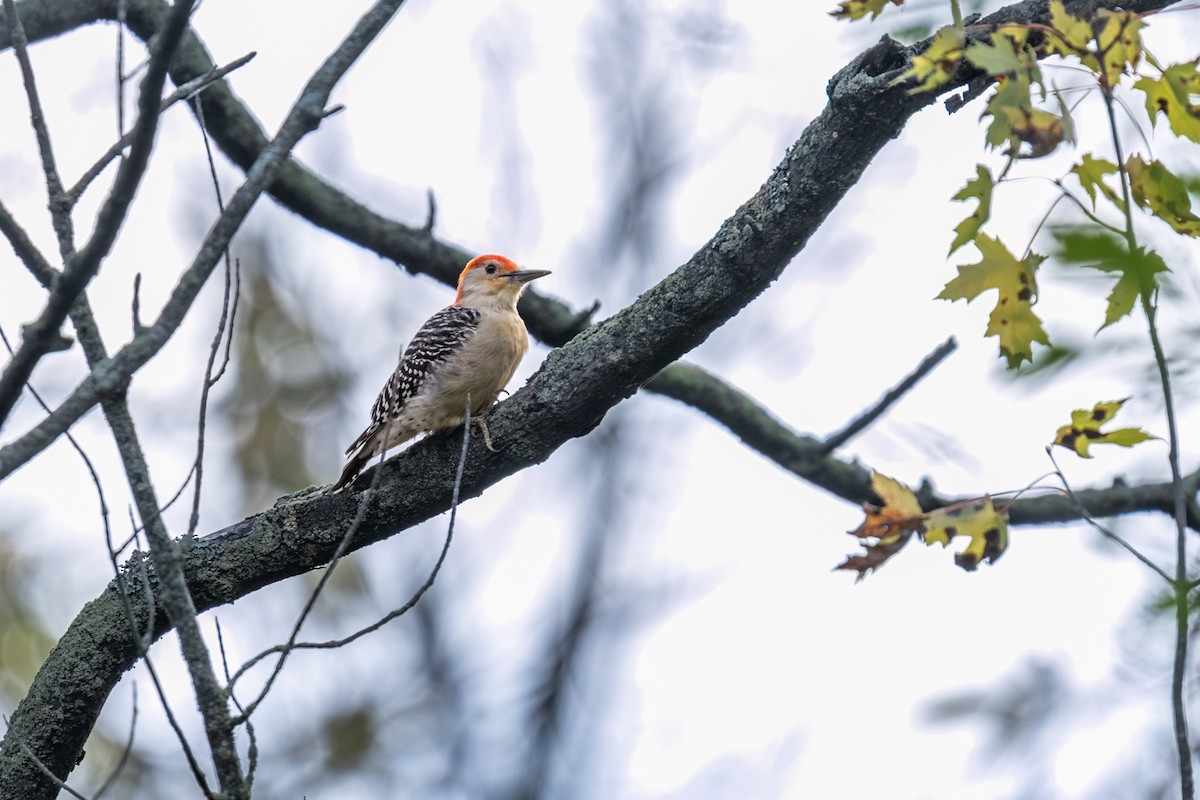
470 349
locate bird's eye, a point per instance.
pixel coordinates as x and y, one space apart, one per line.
490 269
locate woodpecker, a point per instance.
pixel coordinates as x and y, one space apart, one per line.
469 349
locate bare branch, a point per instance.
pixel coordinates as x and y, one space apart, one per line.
84 264
185 92
285 649
59 213
125 752
304 117
1101 528
927 365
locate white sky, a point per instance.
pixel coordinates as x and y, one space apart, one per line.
795 664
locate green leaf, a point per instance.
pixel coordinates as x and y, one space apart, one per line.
1138 269
1166 196
978 188
1091 172
1012 319
1172 95
1011 93
1000 55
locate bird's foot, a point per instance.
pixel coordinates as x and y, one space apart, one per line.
487 435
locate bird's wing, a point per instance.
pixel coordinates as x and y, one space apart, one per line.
430 346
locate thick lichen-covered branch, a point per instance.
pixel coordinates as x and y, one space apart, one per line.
566 398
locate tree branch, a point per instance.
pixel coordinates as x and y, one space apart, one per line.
566 398
113 373
864 420
42 332
306 114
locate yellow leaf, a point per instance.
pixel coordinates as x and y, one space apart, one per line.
1172 95
937 64
887 528
1120 41
980 521
1072 33
857 9
1012 320
1004 53
1084 429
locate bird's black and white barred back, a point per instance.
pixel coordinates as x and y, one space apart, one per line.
441 335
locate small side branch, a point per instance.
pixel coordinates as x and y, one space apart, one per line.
860 424
184 92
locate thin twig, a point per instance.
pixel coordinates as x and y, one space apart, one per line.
930 362
237 296
285 649
83 265
184 92
59 212
188 754
1089 519
1180 583
292 645
37 762
252 752
208 381
125 753
304 117
122 16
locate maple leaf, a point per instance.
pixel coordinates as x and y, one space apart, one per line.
978 188
857 9
1119 38
887 528
1155 187
1012 320
937 64
1036 127
1071 34
1172 95
1091 172
1138 268
1005 53
980 521
1117 35
1084 429
1016 121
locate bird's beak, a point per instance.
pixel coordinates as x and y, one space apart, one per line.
526 275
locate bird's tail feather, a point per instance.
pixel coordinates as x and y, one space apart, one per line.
352 469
